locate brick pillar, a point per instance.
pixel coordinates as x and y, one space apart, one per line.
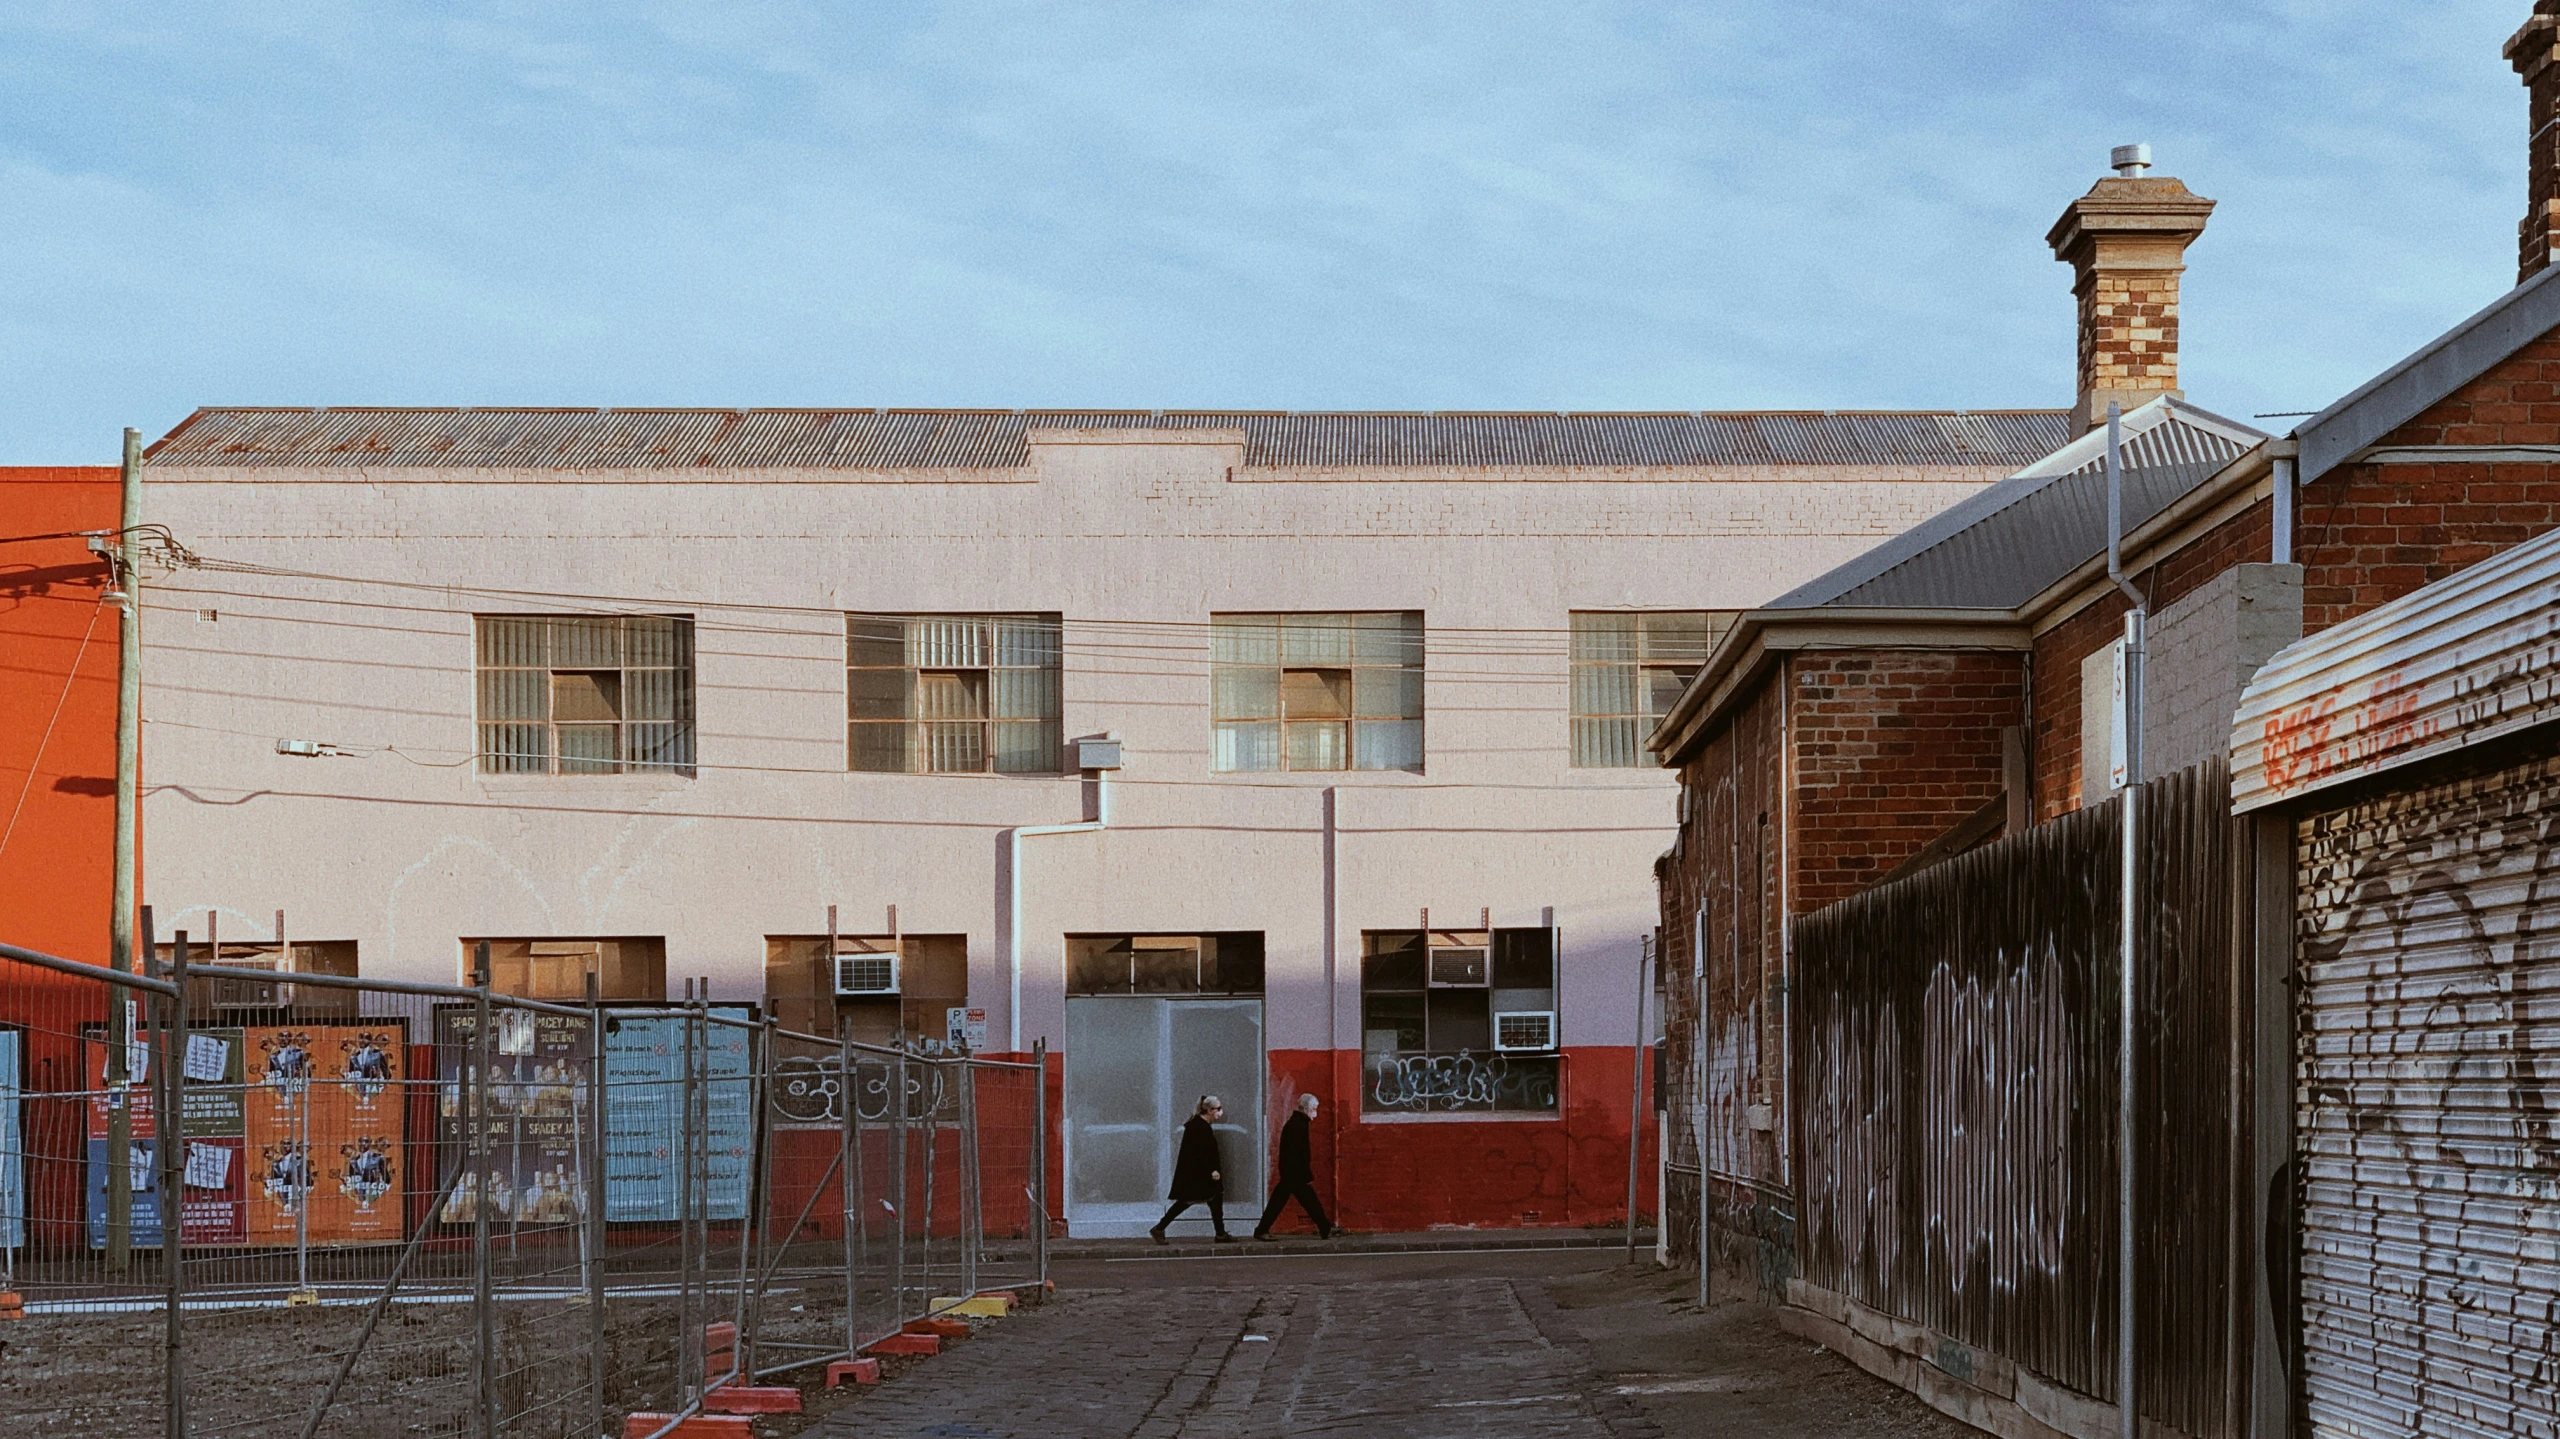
2126 241
2532 50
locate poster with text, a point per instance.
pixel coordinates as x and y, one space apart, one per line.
215 1184
13 1173
536 1115
644 1131
322 1126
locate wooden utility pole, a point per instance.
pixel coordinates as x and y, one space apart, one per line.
123 554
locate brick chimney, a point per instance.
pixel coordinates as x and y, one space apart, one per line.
2126 242
2532 50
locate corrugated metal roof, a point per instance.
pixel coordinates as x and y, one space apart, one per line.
2000 548
2474 656
995 439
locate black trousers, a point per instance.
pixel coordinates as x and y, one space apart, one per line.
1301 1190
1217 1213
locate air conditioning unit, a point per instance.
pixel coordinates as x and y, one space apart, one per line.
1525 1030
1454 968
866 974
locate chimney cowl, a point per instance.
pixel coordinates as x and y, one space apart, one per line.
2131 160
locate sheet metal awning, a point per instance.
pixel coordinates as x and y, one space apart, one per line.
2470 658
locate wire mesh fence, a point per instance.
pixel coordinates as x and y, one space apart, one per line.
427 1209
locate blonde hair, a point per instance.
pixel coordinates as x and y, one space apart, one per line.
1207 1103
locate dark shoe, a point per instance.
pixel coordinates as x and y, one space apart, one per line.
1261 1238
1157 1234
1227 1239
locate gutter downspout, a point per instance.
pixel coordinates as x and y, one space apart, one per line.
2128 1395
1013 898
2280 547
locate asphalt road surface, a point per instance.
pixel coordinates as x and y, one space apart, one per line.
1537 1345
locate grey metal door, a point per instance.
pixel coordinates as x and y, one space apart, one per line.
2427 1151
1135 1067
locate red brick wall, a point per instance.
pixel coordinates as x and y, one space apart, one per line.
2372 533
1892 748
2054 761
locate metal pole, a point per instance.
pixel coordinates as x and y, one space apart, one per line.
484 1357
594 1187
1698 1104
932 1152
124 557
173 1176
2127 1107
1635 1104
302 1291
753 1231
898 1187
1040 1155
851 1120
689 1338
971 1220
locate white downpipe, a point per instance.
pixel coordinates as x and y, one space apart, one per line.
1013 899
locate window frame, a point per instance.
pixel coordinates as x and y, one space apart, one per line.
924 740
500 714
1646 662
1374 718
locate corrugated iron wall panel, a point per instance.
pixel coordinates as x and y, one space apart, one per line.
1955 1072
994 439
2428 928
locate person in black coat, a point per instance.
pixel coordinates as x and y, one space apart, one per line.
1198 1173
1297 1177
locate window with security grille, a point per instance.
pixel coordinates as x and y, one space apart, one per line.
1454 1020
585 694
1629 668
1316 691
952 694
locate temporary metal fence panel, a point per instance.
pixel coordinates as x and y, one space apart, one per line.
2427 1168
428 1209
1956 1071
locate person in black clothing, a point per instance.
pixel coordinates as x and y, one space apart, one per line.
1297 1177
1198 1173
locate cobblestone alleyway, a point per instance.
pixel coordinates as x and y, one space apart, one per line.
1539 1346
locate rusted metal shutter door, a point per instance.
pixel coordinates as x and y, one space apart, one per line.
2429 1148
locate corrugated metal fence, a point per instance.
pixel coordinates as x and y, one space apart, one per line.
1956 1066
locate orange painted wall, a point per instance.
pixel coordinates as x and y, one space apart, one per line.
55 859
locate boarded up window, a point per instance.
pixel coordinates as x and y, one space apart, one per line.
1629 669
626 968
1316 691
585 694
952 694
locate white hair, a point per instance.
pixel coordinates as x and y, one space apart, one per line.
1307 1100
1209 1102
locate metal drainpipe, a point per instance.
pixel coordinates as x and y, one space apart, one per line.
2280 550
1013 898
2128 1398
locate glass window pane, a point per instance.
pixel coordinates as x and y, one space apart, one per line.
1608 743
514 695
506 640
1388 744
1031 642
651 694
1601 690
652 641
1025 694
514 749
875 640
1315 639
951 696
586 642
586 696
1240 693
1461 1019
880 694
955 641
1388 639
1663 688
1604 637
590 749
1391 1022
1027 748
954 748
1387 694
880 748
1319 744
1244 640
1677 637
1245 746
660 746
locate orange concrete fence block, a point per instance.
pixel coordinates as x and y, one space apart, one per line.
700 1426
753 1399
939 1328
918 1345
860 1371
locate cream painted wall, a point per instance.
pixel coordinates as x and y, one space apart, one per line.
1136 537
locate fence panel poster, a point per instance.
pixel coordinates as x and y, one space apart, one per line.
536 1118
13 1173
644 1116
323 1125
214 1206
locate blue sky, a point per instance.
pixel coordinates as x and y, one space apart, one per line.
1723 204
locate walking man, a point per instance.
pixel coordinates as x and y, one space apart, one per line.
1198 1173
1297 1174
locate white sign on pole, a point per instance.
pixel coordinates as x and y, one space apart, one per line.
966 1029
